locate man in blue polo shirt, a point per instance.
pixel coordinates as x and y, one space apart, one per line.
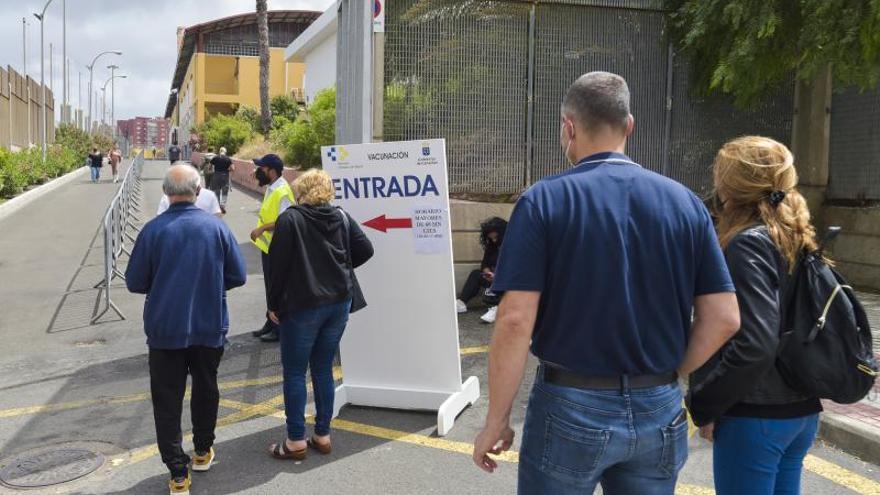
602 268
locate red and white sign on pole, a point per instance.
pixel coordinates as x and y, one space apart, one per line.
402 350
378 16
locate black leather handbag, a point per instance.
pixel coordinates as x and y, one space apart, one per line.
357 296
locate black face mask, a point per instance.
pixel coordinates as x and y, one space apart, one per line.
262 178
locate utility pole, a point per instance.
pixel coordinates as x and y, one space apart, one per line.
64 51
51 69
27 90
113 98
24 45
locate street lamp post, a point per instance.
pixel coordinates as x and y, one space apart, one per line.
41 16
91 77
113 98
104 96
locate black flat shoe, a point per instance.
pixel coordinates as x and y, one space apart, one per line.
272 336
263 331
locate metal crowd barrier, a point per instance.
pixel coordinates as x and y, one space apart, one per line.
117 225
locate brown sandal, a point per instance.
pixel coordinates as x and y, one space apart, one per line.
282 452
323 449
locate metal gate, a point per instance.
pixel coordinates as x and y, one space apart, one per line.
854 159
489 77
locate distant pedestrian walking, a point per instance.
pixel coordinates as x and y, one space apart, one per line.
491 237
208 167
762 428
185 317
312 289
96 161
222 166
115 159
173 153
278 198
602 267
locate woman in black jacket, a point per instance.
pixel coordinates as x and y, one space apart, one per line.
491 237
761 427
315 248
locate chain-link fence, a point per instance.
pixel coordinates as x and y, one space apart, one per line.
854 159
489 77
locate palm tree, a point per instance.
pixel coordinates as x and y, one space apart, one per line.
263 29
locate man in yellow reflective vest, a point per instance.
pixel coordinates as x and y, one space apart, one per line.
279 197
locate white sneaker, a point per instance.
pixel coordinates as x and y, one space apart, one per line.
490 315
460 306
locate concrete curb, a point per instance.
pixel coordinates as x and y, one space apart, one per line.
851 436
22 200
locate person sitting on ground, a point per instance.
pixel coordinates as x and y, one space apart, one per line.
491 236
185 318
312 290
222 166
206 200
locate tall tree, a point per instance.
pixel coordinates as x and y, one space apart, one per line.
263 28
747 48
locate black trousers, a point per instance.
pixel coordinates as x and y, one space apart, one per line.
220 186
168 372
267 275
472 286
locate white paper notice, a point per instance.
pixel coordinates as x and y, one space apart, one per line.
429 228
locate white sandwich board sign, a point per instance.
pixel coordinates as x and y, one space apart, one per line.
402 350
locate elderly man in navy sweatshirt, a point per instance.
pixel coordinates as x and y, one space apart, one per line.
185 260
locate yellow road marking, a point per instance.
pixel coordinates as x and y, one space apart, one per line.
143 396
64 406
269 408
842 476
683 489
466 351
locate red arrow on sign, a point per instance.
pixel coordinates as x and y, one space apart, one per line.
382 224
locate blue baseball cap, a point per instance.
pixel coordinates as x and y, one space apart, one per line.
272 161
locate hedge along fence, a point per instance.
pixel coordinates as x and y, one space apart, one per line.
243 175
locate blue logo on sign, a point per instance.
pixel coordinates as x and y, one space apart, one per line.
332 154
426 151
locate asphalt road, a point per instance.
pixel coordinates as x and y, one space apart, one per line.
64 382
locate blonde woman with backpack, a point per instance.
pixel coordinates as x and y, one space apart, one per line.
761 427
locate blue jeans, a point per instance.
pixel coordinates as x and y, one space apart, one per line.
96 173
309 339
631 440
761 456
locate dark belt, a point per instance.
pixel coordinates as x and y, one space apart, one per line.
566 378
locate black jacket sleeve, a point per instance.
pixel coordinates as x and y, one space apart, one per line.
727 378
361 247
280 252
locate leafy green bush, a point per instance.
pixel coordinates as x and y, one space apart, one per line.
250 115
227 131
18 170
284 106
302 139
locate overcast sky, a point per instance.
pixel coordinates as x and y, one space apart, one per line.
144 30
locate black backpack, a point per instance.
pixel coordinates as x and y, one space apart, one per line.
825 346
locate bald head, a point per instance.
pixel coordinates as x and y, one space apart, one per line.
598 100
181 183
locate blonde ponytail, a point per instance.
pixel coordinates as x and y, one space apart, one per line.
747 171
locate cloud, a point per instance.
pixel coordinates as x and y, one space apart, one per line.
145 31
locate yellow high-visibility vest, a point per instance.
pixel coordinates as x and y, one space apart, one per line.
269 213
